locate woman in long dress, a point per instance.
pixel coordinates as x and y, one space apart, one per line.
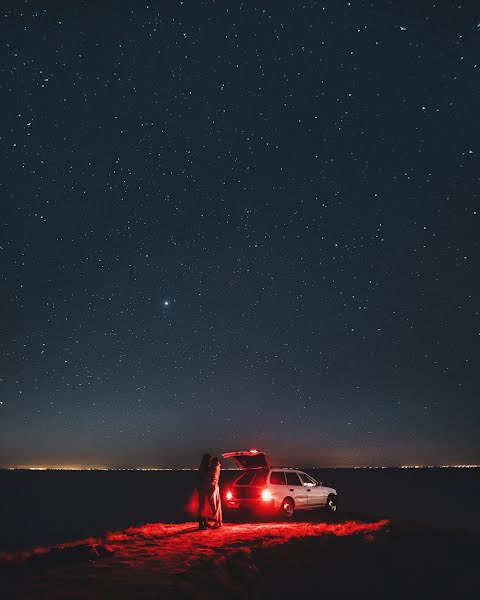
215 499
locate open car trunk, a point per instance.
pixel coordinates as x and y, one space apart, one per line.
249 459
250 484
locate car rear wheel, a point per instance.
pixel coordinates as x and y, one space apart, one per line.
288 507
332 504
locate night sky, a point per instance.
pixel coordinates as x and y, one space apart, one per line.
228 225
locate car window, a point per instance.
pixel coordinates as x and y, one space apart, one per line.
306 479
293 479
277 478
245 479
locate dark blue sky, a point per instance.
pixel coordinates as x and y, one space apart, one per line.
232 225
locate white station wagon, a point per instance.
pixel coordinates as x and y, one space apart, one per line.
278 489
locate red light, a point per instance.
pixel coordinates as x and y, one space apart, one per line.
229 495
266 495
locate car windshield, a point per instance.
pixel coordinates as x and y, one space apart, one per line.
306 479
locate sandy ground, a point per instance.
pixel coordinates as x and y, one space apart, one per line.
239 560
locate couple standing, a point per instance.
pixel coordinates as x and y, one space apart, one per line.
209 502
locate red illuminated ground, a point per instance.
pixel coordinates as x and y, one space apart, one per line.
351 558
159 557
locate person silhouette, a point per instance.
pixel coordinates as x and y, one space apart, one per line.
203 489
214 498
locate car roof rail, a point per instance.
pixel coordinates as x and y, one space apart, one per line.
286 468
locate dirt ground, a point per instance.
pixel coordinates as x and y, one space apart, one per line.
347 558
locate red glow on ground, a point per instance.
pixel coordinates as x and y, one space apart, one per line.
157 555
171 547
174 543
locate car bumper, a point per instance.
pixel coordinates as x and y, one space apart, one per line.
251 505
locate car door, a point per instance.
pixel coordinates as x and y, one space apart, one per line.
315 491
278 486
296 489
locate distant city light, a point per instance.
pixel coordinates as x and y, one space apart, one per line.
99 468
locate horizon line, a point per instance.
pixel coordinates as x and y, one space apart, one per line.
103 468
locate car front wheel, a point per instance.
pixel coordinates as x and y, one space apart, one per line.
332 504
287 508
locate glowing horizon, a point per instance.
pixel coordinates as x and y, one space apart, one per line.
104 468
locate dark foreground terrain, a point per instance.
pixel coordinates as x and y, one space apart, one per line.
347 557
98 535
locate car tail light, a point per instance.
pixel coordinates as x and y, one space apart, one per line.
229 495
266 495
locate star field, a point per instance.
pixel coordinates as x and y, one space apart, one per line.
239 225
